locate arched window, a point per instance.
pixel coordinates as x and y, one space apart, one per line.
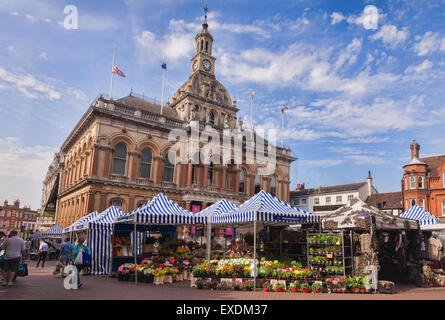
169 170
257 183
242 180
207 46
119 158
202 45
212 118
210 174
145 167
117 203
194 173
273 185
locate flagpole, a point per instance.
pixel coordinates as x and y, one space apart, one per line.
112 73
251 111
282 127
163 87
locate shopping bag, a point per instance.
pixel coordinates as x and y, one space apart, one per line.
86 258
79 258
23 270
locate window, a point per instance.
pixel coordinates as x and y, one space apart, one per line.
296 202
406 204
350 197
8 213
120 158
242 180
443 179
406 184
303 202
212 118
339 199
443 207
194 173
146 159
413 202
210 174
316 200
412 182
207 46
328 200
202 45
257 183
273 186
421 203
117 203
169 170
420 182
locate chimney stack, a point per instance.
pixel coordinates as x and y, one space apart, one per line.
415 148
369 181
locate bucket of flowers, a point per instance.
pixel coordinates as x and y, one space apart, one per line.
279 287
305 287
159 275
148 276
267 287
247 285
186 269
293 286
317 287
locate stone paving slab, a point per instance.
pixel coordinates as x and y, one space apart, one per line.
41 284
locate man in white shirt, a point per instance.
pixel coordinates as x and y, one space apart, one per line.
43 250
14 248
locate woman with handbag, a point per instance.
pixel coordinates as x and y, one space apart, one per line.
81 254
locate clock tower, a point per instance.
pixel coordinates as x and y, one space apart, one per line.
203 60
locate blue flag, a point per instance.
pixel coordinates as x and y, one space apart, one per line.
164 66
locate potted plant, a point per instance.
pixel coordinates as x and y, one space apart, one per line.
267 287
279 287
293 286
316 287
199 284
305 287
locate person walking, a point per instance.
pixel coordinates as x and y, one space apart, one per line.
65 254
80 250
27 247
43 250
2 252
14 248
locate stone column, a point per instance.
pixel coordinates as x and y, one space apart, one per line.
94 160
131 205
237 180
250 189
205 174
157 169
133 173
189 174
223 184
90 201
103 202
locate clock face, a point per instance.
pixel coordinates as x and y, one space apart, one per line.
195 65
207 65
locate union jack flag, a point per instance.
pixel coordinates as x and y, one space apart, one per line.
252 95
118 71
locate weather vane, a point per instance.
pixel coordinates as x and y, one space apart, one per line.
206 10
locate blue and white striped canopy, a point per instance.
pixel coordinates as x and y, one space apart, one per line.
418 213
162 210
35 235
218 208
53 232
265 207
80 223
107 217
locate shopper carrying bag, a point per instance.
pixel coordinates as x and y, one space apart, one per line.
79 252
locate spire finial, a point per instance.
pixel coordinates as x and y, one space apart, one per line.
206 11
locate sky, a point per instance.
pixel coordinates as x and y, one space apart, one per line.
357 96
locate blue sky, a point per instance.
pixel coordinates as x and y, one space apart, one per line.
356 97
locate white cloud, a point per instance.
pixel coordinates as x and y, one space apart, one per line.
425 65
349 55
28 85
29 17
390 36
15 13
429 43
337 17
22 170
47 20
43 55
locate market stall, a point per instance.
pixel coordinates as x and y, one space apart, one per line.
427 221
160 211
378 242
263 209
217 209
77 228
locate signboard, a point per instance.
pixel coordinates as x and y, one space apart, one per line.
192 230
49 214
196 208
228 231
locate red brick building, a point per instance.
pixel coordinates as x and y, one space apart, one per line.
12 217
423 182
